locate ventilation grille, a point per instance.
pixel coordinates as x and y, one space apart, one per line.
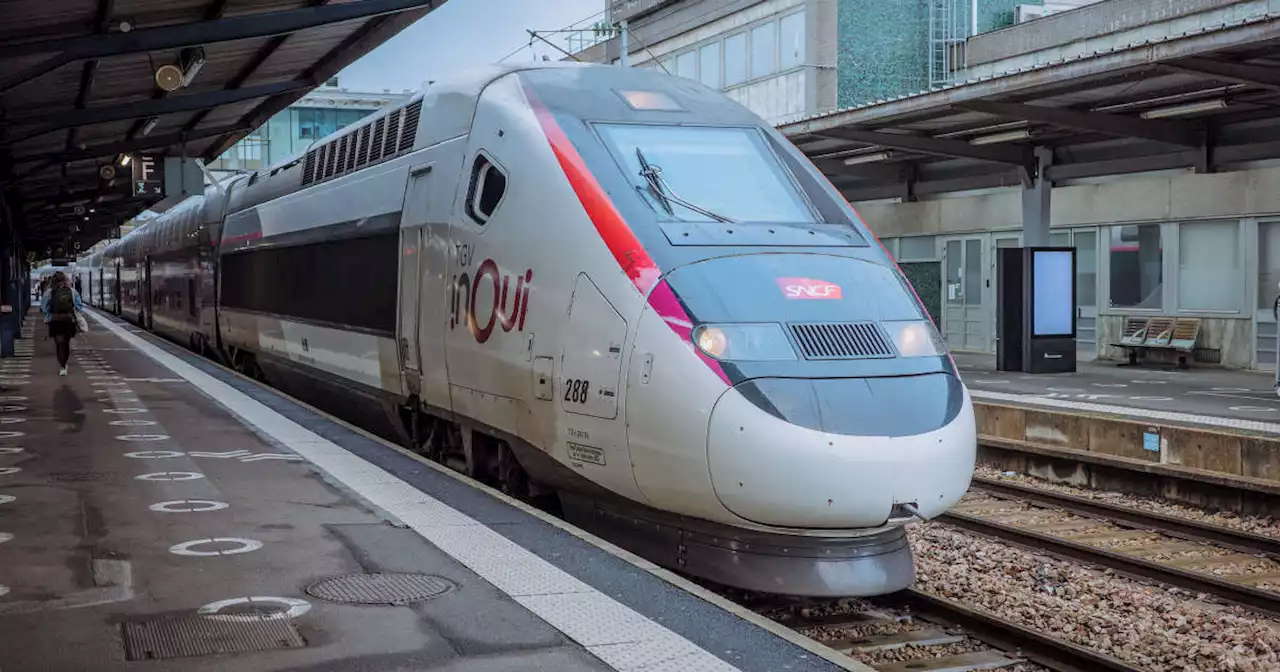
379 130
393 128
330 160
841 340
410 133
309 168
364 147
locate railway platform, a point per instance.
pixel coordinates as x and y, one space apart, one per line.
158 512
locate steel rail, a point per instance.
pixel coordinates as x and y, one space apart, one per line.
1254 598
1021 641
1164 523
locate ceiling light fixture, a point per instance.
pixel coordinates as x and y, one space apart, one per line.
1007 136
868 158
1188 108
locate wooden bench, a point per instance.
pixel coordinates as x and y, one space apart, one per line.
1141 334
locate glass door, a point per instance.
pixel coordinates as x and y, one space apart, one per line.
1268 276
967 322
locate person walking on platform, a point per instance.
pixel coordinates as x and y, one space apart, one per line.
62 306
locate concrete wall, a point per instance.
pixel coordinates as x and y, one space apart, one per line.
1171 197
1101 27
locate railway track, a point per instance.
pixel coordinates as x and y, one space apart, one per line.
914 631
1233 565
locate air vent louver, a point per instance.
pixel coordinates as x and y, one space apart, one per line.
375 149
363 157
343 153
410 132
393 128
330 159
309 168
841 340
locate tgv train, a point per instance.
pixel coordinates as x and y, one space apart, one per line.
608 288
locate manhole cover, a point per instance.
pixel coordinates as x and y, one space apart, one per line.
380 588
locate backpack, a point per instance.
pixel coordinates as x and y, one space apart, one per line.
63 301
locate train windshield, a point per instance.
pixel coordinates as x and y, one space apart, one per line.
702 173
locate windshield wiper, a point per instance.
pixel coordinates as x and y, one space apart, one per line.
653 175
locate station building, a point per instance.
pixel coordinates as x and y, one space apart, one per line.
1162 226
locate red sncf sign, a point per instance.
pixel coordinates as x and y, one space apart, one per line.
808 288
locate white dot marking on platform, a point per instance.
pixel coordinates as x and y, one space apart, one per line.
1151 398
10 450
5 499
1110 385
154 454
142 437
1230 389
5 536
10 397
12 409
4 590
124 410
189 506
1253 409
108 384
241 546
11 435
5 471
170 476
10 420
132 423
293 608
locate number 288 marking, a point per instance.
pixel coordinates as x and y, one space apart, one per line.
575 390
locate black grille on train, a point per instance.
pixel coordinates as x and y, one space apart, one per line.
363 158
379 129
841 340
309 168
410 132
393 131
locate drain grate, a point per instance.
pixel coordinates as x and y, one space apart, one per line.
190 636
380 588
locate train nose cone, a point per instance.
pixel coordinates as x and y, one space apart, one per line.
840 453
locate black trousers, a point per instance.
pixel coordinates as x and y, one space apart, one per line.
62 331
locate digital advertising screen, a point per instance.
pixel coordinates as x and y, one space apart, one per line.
1053 297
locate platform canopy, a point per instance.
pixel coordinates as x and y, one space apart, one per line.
1207 99
85 82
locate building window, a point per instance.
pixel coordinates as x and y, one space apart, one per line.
1137 267
687 65
1268 264
735 59
917 248
709 65
764 49
791 41
1210 276
1086 268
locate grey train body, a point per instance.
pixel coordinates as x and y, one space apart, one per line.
607 288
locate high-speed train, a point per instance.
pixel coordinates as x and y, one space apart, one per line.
608 288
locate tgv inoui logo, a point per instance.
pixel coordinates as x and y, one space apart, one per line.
808 288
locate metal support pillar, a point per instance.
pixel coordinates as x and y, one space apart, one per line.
624 60
1036 195
9 303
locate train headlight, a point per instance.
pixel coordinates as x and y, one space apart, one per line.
744 342
916 338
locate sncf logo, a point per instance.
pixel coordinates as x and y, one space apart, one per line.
808 288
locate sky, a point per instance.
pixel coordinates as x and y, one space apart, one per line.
462 34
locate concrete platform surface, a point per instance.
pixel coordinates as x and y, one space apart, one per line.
159 513
1229 399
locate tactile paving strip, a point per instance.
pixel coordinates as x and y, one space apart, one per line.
380 588
190 636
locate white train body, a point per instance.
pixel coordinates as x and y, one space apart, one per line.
715 365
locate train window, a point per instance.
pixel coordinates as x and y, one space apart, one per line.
705 173
488 185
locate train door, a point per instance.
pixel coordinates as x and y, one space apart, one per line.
116 290
410 292
1265 344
